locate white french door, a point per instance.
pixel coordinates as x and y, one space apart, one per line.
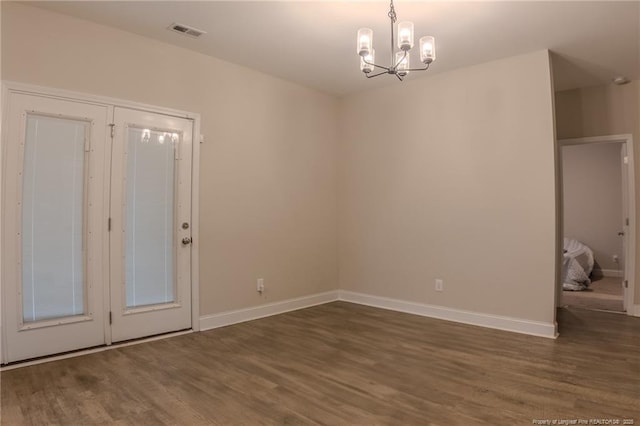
151 219
96 225
54 238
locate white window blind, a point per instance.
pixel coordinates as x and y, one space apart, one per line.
150 185
53 252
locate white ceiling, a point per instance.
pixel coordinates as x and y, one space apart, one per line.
313 42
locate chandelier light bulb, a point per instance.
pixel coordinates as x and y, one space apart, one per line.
405 35
365 41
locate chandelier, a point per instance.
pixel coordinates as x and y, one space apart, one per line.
400 59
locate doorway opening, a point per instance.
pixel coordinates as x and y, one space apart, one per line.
597 218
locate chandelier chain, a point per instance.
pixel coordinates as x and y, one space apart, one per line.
392 12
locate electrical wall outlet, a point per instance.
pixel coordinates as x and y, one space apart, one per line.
616 259
439 285
260 285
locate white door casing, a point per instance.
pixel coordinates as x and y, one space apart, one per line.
624 167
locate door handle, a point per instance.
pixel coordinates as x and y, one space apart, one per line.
621 233
186 241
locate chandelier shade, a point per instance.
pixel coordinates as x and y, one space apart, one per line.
427 49
400 58
402 63
365 41
366 62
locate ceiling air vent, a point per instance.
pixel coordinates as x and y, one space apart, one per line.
186 30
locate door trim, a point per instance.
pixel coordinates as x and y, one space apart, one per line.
9 87
630 255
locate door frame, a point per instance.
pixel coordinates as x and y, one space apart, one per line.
630 252
9 87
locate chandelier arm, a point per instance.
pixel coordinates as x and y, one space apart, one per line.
386 69
399 78
375 75
419 69
375 65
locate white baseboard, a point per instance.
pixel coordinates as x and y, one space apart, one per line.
535 328
610 273
636 311
208 322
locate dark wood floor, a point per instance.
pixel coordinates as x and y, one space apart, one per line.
343 364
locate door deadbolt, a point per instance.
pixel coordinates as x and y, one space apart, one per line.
185 225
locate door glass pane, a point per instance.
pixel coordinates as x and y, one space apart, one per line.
149 241
52 218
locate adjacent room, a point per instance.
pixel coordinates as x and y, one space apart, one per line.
593 222
306 212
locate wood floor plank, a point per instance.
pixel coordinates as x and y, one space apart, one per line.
343 364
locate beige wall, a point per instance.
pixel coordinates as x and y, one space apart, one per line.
592 178
601 111
452 176
597 111
268 175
